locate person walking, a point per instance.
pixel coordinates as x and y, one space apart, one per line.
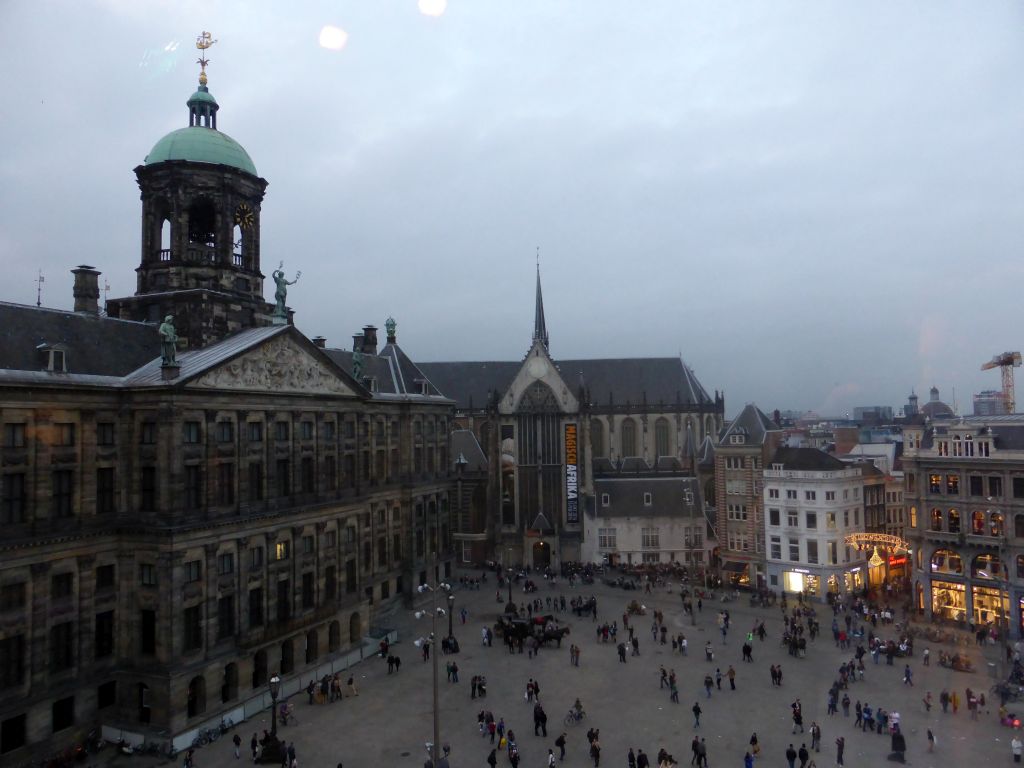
731 674
718 678
551 758
840 747
696 714
846 705
702 754
931 741
708 682
492 759
560 743
254 745
237 741
748 761
791 756
1016 747
804 755
754 746
907 676
595 752
815 737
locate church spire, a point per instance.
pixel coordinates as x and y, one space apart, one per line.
540 329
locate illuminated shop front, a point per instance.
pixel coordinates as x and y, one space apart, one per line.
801 580
949 600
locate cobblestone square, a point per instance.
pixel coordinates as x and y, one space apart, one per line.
390 720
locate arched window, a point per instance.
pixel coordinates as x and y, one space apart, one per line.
995 524
1018 526
196 696
936 519
597 438
953 517
202 223
229 688
287 657
259 669
978 522
946 561
627 436
312 646
238 246
334 637
662 437
165 241
355 628
986 566
709 426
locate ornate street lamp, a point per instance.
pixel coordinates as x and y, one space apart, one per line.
434 613
271 746
451 610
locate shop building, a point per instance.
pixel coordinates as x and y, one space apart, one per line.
813 501
965 502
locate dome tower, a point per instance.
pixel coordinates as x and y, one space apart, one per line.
201 199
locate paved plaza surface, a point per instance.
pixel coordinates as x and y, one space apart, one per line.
388 723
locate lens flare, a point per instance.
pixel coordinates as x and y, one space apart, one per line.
432 7
333 38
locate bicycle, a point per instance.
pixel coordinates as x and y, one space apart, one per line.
575 716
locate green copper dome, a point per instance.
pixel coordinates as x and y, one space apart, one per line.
201 145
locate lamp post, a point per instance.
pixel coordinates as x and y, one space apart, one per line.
451 610
434 613
509 607
271 746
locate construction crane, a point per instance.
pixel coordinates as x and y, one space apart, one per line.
1006 362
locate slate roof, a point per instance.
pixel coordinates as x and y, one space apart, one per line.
465 444
621 380
1007 429
752 423
95 345
396 375
706 453
806 460
668 496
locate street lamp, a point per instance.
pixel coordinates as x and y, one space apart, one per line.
271 746
451 610
434 613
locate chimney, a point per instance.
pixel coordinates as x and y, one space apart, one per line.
87 289
370 339
320 342
357 342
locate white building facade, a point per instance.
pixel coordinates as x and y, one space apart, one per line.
812 502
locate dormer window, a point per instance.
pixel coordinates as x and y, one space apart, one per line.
54 357
370 382
736 439
422 387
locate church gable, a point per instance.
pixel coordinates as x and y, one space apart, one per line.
278 365
538 386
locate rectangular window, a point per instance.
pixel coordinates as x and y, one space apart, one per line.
1018 487
12 596
330 539
308 475
812 551
284 603
308 593
308 545
846 518
833 558
225 432
226 484
147 433
104 639
105 491
830 520
810 495
284 479
281 430
330 583
62 649
351 580
396 546
63 714
647 499
773 493
649 538
106 694
812 520
790 493
12 502
190 432
147 489
12 733
255 481
193 628
193 486
606 538
794 550
995 486
935 483
225 617
105 434
147 574
62 585
792 518
830 495
193 571
330 473
256 607
255 558
307 430
282 550
64 435
226 563
14 435
147 632
776 548
12 661
255 431
975 485
106 577
953 485
63 493
329 431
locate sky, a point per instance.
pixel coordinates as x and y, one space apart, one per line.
818 204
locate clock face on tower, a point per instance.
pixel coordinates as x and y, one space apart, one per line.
537 367
244 217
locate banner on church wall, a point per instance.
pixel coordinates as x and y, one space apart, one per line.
572 494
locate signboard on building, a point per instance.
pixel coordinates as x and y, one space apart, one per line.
572 492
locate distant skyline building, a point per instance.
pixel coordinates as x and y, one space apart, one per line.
990 403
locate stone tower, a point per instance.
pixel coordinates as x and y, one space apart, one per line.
201 199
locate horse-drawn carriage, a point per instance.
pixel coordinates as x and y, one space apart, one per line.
542 628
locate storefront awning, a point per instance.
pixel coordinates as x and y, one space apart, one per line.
733 566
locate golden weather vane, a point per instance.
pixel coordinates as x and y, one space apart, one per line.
204 41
